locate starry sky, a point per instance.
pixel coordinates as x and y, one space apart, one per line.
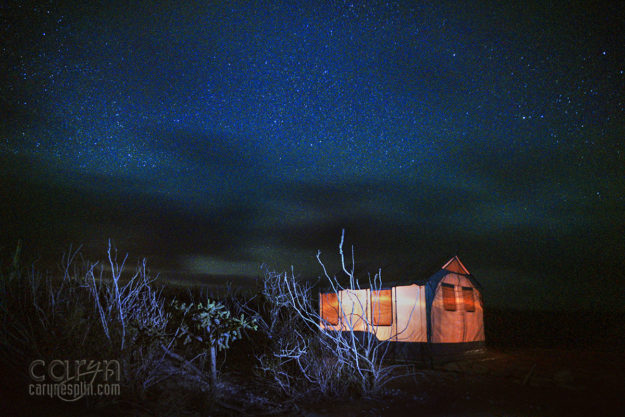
212 137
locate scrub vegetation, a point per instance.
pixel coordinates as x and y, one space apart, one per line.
269 352
166 344
169 341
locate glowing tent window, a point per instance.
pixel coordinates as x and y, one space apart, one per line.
330 308
382 307
449 297
469 301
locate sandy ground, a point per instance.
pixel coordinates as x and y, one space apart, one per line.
528 382
511 382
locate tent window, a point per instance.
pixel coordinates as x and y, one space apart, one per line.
382 307
449 297
330 308
469 301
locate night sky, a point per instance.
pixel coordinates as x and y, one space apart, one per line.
213 137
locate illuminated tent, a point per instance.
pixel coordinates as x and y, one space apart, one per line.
444 312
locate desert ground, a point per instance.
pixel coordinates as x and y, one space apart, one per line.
490 382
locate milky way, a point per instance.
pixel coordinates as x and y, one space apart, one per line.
212 138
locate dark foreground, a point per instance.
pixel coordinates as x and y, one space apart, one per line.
492 382
528 382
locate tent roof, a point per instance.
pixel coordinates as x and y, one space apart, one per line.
454 265
410 276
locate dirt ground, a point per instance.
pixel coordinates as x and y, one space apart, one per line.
528 382
490 382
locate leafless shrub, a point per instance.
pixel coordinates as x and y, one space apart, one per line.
91 311
305 351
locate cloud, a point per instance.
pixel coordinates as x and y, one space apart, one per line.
209 265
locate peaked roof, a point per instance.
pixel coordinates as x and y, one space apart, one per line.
454 265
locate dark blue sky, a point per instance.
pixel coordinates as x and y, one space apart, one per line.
214 137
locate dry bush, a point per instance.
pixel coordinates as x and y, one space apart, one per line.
302 356
91 311
98 311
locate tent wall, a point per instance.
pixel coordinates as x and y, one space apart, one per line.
409 317
446 313
354 310
409 320
460 325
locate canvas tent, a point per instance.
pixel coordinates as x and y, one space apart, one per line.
444 312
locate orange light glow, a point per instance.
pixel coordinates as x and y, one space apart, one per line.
449 297
469 302
330 308
382 307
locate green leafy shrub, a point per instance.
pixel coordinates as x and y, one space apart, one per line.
209 324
